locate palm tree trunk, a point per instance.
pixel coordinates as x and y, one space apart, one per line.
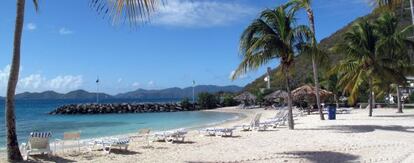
399 100
290 114
336 100
315 78
370 100
13 152
314 65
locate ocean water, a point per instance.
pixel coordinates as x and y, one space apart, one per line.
31 115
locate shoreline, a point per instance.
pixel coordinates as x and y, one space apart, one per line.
231 110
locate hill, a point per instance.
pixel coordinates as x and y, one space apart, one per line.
177 92
138 94
302 68
50 95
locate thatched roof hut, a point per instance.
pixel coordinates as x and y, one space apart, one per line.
245 96
308 93
277 95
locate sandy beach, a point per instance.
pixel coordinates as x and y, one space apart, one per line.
355 137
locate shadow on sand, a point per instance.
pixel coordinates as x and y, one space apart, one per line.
45 158
364 128
323 156
399 115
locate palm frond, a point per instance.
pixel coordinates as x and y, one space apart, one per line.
131 11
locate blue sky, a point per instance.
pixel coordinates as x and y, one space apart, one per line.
67 45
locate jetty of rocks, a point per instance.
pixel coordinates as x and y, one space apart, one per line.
121 108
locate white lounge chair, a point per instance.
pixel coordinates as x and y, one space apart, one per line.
223 132
68 136
254 124
108 143
38 142
170 136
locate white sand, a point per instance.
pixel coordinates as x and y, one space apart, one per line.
355 137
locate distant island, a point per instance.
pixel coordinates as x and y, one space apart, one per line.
174 92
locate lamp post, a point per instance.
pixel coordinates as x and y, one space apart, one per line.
97 90
193 94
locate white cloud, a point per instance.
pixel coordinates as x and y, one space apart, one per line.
119 80
31 26
136 84
37 82
65 83
200 13
151 83
65 31
33 81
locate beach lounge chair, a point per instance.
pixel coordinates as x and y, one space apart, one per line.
68 136
170 136
223 132
108 143
279 119
38 142
254 124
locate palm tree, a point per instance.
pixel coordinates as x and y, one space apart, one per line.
272 35
306 5
361 64
13 152
395 43
130 9
374 52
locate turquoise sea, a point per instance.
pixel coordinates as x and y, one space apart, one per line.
31 115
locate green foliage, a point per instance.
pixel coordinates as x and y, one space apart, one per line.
185 103
302 67
376 54
229 101
272 35
411 98
207 100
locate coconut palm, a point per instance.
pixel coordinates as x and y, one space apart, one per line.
129 9
361 63
13 152
272 35
306 5
374 52
395 43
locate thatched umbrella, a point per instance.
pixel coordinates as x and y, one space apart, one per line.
277 95
309 92
245 96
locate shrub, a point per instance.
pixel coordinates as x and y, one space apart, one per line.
185 103
229 101
207 100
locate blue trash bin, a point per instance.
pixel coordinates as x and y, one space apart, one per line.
332 112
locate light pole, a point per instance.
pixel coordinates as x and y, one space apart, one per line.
97 90
193 93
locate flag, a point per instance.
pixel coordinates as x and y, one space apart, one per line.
97 80
193 82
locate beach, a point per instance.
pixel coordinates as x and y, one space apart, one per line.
355 137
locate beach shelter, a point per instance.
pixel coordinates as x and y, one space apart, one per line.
308 93
245 97
276 95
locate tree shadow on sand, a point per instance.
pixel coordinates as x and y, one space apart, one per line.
364 128
396 116
322 156
45 158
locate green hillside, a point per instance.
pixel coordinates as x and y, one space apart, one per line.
302 69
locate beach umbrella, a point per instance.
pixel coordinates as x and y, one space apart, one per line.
245 96
276 95
308 93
